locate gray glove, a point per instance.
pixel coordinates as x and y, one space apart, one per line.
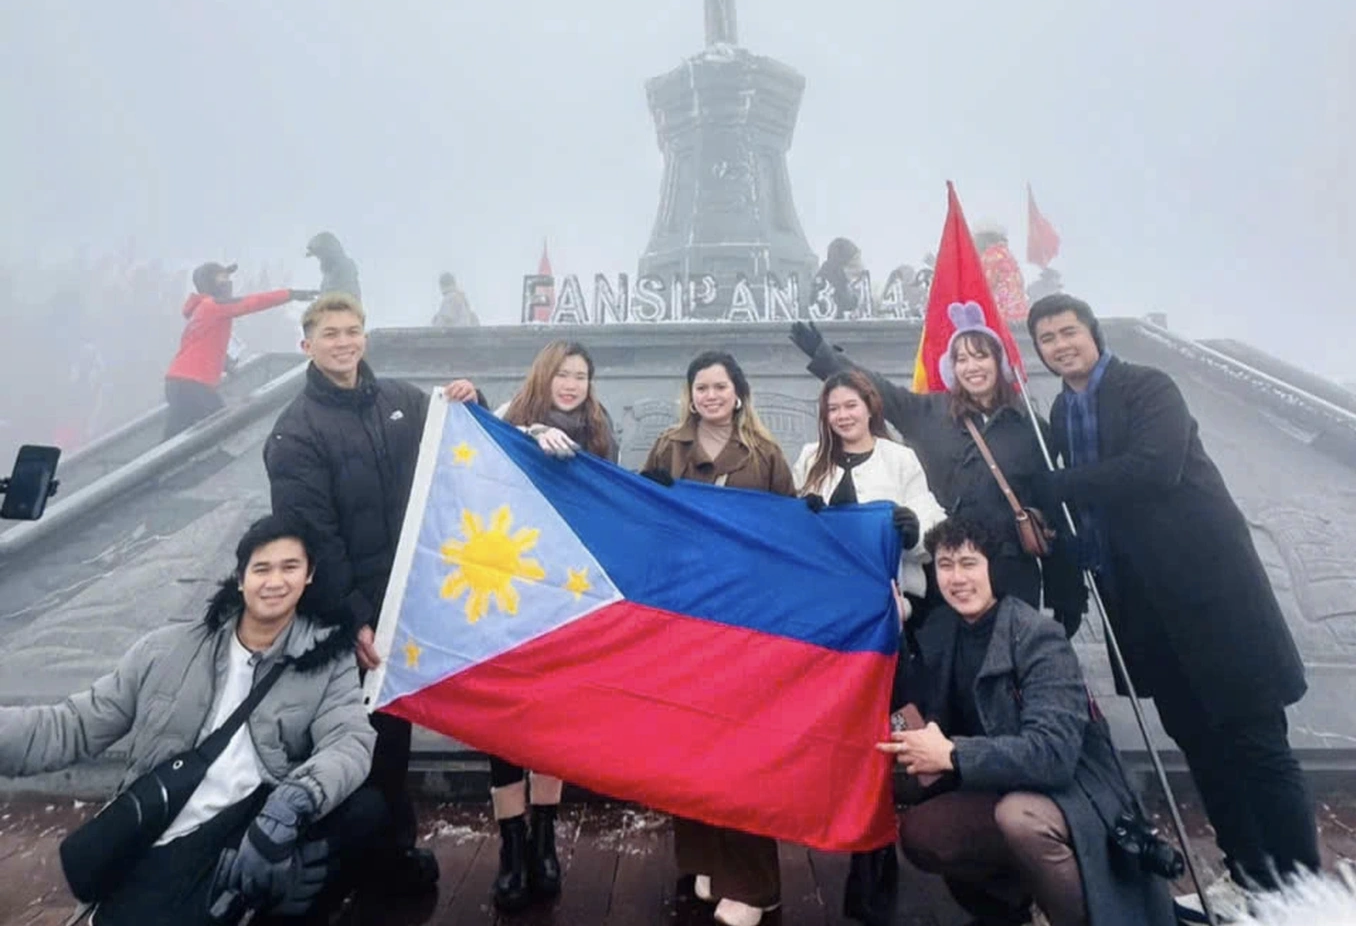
265 867
304 295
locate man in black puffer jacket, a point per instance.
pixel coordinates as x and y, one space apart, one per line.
342 457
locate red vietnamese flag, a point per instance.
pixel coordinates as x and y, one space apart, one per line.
543 312
1042 241
957 278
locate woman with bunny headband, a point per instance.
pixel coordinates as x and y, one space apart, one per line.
981 394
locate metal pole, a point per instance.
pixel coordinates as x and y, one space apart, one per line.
1118 661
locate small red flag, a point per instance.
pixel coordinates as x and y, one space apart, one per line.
1042 241
959 297
543 312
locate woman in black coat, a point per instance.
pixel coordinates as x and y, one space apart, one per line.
980 386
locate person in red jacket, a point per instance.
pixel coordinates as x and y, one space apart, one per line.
195 373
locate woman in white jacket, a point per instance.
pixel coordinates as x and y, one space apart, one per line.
856 462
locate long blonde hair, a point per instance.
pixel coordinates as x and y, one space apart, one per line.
748 427
532 403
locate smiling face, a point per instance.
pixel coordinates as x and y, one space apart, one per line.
848 415
336 344
274 578
976 366
713 394
570 385
963 577
1067 345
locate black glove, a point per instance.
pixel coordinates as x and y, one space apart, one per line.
303 295
815 503
906 524
807 337
265 868
660 476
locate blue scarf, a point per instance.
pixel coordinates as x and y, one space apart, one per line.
1081 417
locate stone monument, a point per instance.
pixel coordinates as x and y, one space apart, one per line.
724 120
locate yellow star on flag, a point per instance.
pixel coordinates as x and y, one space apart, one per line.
412 653
578 582
463 454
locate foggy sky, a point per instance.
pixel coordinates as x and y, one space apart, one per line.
1196 158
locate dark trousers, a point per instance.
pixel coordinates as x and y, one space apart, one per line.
172 884
741 866
1251 784
189 402
389 776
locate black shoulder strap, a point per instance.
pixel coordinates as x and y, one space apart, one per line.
215 744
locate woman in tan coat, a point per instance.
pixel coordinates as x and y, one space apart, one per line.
720 441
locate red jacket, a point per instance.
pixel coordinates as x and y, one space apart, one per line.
202 349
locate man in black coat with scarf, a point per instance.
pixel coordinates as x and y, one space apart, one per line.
341 457
1187 594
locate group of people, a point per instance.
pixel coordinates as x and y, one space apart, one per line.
1018 786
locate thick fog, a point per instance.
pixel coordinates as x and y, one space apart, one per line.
1196 159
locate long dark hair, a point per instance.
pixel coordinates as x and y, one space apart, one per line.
532 404
830 444
981 344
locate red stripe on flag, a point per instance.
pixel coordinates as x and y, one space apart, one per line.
716 723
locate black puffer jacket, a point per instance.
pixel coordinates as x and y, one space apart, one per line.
962 482
343 459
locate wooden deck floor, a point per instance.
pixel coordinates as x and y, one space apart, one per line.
618 863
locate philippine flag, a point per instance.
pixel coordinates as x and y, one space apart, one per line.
715 653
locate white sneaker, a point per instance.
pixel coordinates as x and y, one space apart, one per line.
733 913
1228 899
702 888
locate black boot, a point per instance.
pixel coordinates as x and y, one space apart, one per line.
511 889
545 865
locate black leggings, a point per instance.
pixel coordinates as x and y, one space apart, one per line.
189 402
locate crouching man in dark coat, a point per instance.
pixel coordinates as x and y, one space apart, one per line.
279 822
1031 783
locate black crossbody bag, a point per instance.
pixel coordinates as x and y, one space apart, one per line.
98 855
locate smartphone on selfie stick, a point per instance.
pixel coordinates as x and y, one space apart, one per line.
32 482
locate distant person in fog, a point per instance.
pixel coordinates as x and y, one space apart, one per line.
339 274
455 310
833 285
195 373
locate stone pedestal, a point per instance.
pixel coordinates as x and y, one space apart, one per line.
724 119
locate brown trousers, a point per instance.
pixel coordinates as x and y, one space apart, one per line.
996 852
741 866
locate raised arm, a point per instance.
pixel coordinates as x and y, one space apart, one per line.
903 408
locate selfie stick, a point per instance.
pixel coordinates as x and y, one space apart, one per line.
1119 662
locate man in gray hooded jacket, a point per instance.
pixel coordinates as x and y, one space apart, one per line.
338 272
279 814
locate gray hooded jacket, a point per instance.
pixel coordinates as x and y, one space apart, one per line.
311 728
338 272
